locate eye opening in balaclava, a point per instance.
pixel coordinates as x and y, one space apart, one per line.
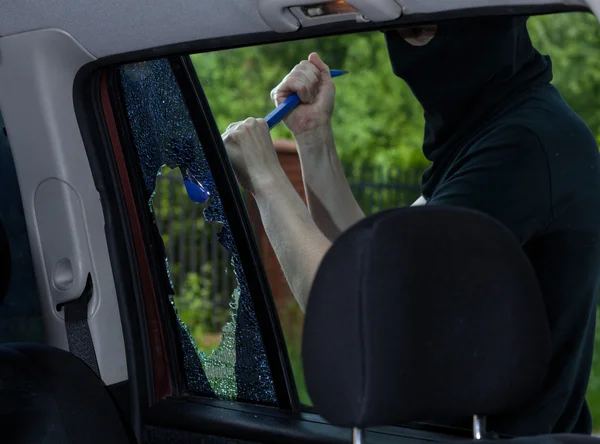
418 35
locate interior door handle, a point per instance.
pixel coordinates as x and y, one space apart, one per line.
64 240
277 13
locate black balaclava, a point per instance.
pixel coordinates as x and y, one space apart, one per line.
470 70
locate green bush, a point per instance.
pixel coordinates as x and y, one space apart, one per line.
196 304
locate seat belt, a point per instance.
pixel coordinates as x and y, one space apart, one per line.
79 336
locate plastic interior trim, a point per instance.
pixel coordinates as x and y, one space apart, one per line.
37 73
279 17
111 27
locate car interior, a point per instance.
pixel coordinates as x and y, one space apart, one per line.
129 314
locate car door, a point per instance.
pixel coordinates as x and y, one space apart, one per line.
138 105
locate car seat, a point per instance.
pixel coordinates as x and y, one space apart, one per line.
48 395
430 314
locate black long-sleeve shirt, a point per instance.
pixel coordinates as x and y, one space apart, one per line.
535 167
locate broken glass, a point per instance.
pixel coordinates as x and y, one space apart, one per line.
166 142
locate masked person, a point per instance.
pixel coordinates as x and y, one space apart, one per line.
501 140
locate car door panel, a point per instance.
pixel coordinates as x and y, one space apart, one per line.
267 425
40 68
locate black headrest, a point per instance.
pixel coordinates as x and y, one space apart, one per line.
420 314
5 262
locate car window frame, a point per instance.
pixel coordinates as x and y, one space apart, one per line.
237 215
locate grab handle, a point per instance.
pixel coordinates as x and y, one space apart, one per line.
278 15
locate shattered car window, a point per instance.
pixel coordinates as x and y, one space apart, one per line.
217 324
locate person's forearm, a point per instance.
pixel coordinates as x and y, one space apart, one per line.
330 200
298 244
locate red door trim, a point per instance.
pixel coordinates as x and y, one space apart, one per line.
162 378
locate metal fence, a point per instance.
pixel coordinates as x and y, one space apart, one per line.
197 261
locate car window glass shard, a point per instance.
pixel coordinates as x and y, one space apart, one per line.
218 328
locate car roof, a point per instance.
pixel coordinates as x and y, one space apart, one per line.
111 27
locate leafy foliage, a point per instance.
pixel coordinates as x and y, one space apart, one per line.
573 42
377 120
197 305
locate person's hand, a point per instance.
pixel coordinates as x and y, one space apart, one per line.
252 153
311 80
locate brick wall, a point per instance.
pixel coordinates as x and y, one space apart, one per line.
288 157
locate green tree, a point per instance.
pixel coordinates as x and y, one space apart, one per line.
573 43
377 121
